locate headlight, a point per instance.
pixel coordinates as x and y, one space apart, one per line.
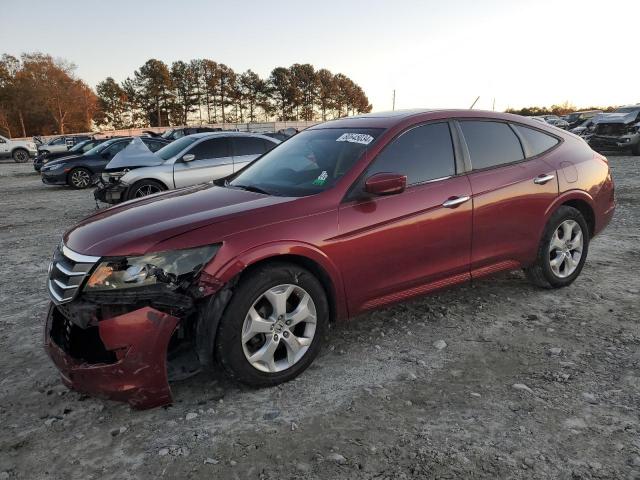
172 269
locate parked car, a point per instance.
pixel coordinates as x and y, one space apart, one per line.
176 133
19 150
576 118
540 119
194 159
62 143
78 149
556 121
347 216
585 129
77 171
618 131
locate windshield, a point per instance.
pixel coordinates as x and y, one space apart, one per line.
309 163
175 148
79 146
102 146
627 109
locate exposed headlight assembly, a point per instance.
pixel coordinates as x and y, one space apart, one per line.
172 269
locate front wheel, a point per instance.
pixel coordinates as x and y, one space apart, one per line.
20 155
273 326
79 178
562 251
144 188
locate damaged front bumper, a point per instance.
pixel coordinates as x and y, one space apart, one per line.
120 358
109 192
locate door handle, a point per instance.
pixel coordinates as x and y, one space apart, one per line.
455 201
542 179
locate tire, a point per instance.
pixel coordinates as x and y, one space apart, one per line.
235 345
138 189
20 155
79 178
564 268
636 149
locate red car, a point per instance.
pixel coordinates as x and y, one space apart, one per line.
347 216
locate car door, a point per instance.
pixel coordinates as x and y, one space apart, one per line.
245 150
212 160
512 189
3 146
397 246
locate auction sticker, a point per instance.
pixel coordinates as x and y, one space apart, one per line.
362 138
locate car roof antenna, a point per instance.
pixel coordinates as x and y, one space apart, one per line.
474 102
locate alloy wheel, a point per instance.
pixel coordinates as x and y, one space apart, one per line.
279 328
145 190
20 156
80 178
565 248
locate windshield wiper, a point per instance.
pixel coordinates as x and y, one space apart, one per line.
250 188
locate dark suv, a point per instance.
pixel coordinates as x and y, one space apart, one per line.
618 131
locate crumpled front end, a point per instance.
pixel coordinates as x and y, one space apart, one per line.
123 357
126 344
111 192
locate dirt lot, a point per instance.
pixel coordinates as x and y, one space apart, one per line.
382 400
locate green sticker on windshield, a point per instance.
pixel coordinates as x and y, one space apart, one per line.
321 178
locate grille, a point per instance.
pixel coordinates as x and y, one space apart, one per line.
67 272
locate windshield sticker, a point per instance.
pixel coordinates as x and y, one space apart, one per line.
362 138
321 178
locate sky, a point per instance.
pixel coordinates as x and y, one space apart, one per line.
433 53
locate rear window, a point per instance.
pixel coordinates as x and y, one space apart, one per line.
247 146
537 142
491 143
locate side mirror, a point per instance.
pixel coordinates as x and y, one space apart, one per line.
385 184
189 157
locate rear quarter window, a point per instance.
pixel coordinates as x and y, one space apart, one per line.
536 141
491 144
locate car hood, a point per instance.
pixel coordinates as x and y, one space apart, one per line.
136 154
63 159
133 228
625 118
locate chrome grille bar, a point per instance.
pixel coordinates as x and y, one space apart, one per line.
67 273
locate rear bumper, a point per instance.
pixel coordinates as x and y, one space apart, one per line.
132 365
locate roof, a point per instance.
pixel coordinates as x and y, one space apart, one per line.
229 134
391 119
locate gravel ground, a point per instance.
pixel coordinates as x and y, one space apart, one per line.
492 380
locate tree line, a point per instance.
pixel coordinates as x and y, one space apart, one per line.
204 91
559 109
41 95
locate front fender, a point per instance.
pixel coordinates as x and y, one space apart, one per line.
234 266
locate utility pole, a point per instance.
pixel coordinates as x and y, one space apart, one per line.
394 99
494 104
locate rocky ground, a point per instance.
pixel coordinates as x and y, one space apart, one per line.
493 380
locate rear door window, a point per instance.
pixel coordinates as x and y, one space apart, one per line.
491 144
536 141
247 146
422 153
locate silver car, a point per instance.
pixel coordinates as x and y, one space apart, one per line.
190 160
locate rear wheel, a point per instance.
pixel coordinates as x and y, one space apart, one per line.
144 188
79 178
562 251
20 155
273 326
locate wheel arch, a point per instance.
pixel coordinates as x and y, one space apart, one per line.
150 179
581 201
303 255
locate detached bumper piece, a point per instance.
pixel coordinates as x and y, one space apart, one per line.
110 192
120 358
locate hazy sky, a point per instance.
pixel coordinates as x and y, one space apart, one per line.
440 53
